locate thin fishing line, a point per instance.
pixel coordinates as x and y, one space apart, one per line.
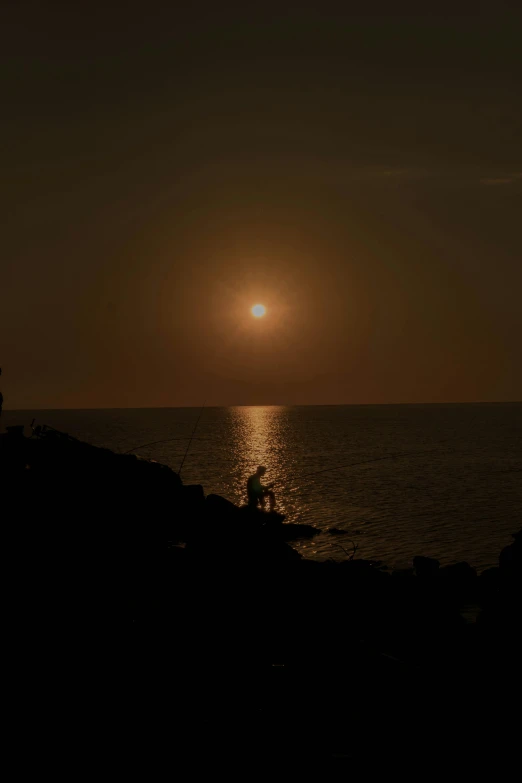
388 456
154 442
368 461
191 438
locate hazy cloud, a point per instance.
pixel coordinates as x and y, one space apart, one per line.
441 174
506 180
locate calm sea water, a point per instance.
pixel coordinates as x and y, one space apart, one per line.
456 494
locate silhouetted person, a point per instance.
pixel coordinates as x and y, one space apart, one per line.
257 492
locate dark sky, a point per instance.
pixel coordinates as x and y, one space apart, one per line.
359 172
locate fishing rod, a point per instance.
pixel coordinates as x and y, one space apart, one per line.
170 440
191 438
365 462
154 442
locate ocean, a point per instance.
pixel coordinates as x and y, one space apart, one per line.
399 480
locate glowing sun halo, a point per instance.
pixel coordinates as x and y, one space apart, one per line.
258 310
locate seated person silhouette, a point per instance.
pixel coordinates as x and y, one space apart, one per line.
257 492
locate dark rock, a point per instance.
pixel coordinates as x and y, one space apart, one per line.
258 518
293 532
362 568
192 494
220 506
488 584
458 573
510 558
459 581
490 576
425 566
15 431
501 600
335 531
278 551
507 557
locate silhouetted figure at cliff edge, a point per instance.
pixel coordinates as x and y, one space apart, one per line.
257 492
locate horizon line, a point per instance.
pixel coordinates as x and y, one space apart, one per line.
274 405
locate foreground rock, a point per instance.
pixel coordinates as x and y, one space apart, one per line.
231 626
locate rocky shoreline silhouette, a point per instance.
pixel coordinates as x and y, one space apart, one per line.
210 618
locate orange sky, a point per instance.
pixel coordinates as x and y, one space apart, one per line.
361 176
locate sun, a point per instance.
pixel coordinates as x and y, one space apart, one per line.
258 310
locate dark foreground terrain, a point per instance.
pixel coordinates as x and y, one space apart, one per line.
173 631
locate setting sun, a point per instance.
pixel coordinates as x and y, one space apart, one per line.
258 310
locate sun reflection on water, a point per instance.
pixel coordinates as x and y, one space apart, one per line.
260 438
